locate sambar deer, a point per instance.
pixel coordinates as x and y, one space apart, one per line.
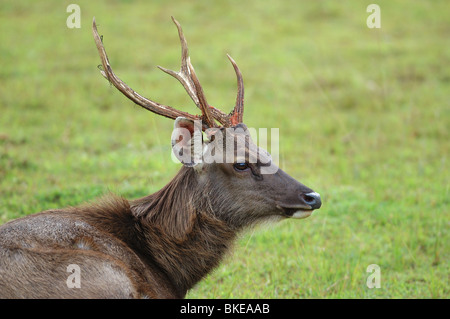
161 245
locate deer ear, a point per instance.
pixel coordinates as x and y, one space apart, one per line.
187 141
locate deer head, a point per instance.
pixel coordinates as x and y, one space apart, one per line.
242 182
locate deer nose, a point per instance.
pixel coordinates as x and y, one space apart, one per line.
312 199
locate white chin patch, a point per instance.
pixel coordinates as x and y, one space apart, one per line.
302 214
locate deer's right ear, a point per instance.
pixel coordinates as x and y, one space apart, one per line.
187 141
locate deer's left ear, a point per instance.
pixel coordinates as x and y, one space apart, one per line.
187 141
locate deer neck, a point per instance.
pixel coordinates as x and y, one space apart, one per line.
181 232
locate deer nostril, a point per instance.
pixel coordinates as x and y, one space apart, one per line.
312 199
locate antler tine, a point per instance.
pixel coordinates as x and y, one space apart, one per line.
188 78
237 114
204 106
183 75
108 73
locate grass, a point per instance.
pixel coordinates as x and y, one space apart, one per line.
363 113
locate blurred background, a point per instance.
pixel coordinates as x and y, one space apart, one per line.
363 116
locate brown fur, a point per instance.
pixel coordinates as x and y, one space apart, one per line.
157 251
158 246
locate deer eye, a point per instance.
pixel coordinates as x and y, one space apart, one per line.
241 166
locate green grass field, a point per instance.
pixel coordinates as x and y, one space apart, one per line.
364 117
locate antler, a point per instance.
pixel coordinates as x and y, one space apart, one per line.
188 78
237 114
108 73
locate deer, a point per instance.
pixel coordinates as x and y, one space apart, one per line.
161 245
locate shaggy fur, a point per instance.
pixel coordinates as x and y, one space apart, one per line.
149 249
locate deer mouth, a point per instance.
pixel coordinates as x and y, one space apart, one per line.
295 212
